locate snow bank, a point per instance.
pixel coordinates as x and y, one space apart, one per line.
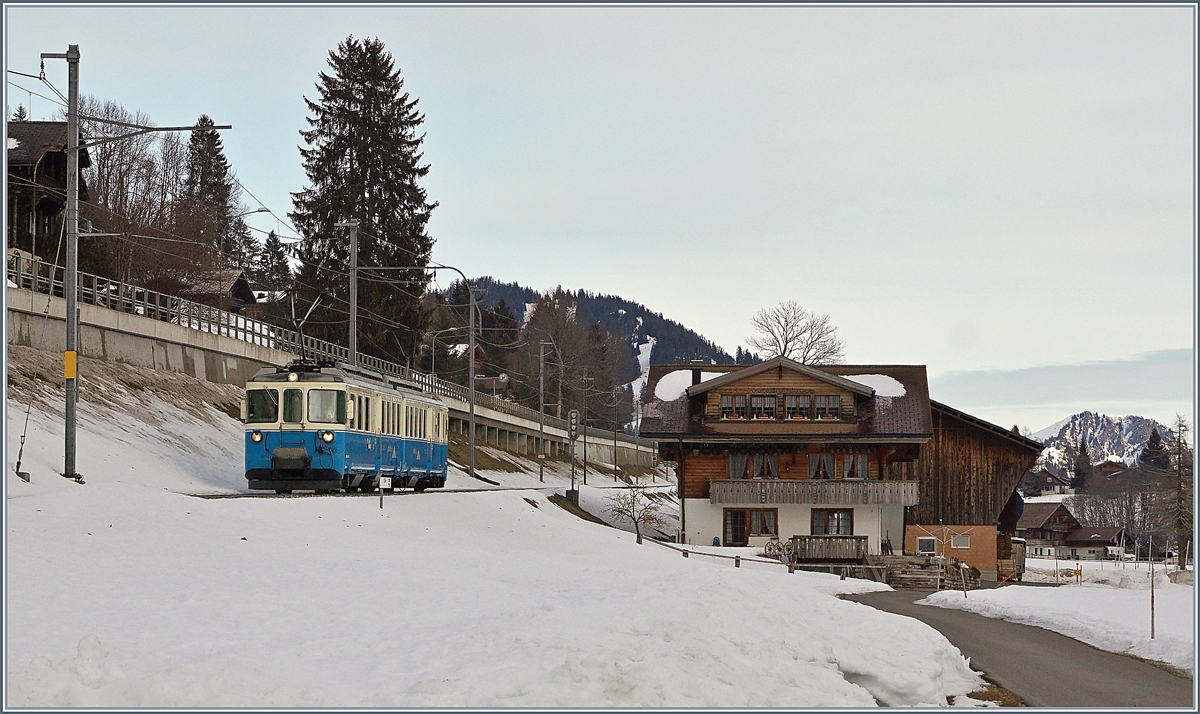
1114 619
671 386
883 385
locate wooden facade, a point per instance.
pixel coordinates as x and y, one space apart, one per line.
968 471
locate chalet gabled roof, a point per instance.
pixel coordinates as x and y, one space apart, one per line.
994 428
1035 515
1094 536
905 417
806 370
36 138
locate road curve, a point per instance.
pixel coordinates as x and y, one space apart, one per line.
1043 668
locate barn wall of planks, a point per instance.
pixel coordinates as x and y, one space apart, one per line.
967 472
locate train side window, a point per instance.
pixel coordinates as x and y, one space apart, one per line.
293 406
327 406
263 406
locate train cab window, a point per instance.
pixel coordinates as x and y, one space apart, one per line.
263 406
293 406
327 406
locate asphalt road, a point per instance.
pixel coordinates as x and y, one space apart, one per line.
1043 668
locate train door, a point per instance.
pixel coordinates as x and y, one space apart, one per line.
390 442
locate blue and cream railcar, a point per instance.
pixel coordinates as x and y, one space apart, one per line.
315 427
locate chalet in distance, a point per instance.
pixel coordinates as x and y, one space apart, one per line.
37 183
1050 530
857 460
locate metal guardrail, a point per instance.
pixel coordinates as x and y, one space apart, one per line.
46 278
836 492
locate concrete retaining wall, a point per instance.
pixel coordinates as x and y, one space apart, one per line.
136 340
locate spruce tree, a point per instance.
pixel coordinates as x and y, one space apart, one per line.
1155 455
211 199
1081 468
363 161
20 114
274 272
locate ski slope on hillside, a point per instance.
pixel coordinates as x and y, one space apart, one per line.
127 591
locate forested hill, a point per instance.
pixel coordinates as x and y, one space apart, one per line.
674 343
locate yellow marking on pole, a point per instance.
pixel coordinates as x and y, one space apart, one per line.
69 364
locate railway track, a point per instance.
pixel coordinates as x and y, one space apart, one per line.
373 494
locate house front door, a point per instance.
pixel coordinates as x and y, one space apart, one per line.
735 528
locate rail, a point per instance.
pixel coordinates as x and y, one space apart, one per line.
48 279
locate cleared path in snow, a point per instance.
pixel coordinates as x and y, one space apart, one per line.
1043 668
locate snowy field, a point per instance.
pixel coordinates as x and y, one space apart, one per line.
128 592
1110 613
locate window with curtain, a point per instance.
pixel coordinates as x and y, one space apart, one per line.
737 466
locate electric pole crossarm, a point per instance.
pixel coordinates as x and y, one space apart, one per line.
148 130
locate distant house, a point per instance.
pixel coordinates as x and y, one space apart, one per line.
1040 482
1087 543
1045 526
852 460
1108 469
37 183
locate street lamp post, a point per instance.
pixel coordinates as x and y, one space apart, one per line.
542 410
433 356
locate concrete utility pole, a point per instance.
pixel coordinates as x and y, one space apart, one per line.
71 282
353 226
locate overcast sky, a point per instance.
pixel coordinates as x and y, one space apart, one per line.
980 190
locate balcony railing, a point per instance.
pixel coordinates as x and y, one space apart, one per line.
829 547
834 493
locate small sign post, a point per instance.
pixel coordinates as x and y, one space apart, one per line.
385 483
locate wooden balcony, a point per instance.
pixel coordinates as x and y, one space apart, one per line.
831 493
829 547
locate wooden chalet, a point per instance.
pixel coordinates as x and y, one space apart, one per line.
1091 543
1045 526
37 183
1040 482
853 460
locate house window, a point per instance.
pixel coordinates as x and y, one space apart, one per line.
733 406
765 466
820 466
960 541
762 406
828 521
798 407
741 524
926 546
828 406
854 466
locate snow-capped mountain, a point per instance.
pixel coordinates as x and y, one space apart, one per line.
1108 438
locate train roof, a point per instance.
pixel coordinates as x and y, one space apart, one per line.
309 372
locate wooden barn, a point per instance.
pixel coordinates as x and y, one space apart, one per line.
854 460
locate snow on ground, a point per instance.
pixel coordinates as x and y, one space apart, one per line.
672 385
883 385
1111 618
126 591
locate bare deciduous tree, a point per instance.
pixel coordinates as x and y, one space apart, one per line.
793 332
633 505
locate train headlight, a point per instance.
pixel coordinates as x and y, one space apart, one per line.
292 376
256 436
327 437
